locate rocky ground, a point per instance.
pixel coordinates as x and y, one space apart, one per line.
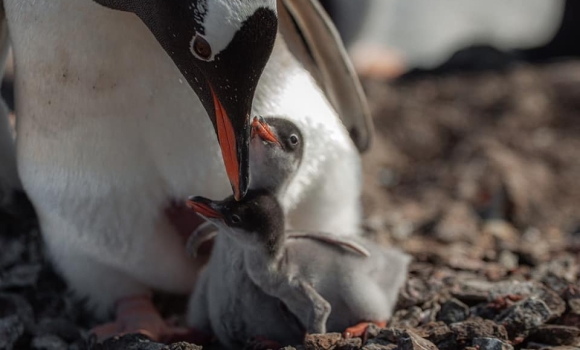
477 175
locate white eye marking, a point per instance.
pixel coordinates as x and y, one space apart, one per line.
224 18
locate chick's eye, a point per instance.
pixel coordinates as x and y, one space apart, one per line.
293 140
235 219
201 47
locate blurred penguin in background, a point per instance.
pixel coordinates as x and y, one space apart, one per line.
387 38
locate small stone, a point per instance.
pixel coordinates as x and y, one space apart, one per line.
435 332
326 341
525 315
129 342
508 259
349 344
375 346
557 274
472 291
417 291
555 304
182 346
477 328
391 334
48 342
411 341
453 311
372 331
407 318
491 344
555 335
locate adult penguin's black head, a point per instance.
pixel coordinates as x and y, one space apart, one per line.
221 47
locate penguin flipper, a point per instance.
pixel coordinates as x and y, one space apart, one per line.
338 241
203 233
312 37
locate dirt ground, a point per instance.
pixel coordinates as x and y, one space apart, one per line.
476 175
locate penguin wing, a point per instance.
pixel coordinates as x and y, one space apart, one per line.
203 233
326 238
313 39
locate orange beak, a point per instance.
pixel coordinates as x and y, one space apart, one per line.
202 208
262 129
227 141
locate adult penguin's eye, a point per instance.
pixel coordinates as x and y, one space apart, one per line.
201 48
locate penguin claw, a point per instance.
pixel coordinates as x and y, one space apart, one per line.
359 330
138 315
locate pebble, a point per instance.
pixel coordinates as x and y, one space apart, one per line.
411 341
453 311
555 335
491 344
322 341
524 315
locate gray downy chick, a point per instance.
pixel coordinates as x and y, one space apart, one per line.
263 281
276 149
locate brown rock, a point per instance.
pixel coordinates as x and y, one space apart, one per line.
478 328
525 315
435 332
327 341
407 318
375 346
349 344
453 311
411 341
491 344
555 335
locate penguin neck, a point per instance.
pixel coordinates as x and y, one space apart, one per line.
270 256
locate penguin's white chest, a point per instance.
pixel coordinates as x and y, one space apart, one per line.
109 133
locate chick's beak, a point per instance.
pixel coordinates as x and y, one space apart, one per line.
234 142
204 207
261 129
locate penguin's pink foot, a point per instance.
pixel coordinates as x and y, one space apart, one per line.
137 314
262 343
359 330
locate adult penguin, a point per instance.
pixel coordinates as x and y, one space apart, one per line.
113 138
110 138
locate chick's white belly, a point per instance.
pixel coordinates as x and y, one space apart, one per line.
109 133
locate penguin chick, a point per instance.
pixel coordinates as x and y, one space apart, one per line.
324 285
276 149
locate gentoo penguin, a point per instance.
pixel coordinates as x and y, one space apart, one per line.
391 36
323 285
276 147
112 138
